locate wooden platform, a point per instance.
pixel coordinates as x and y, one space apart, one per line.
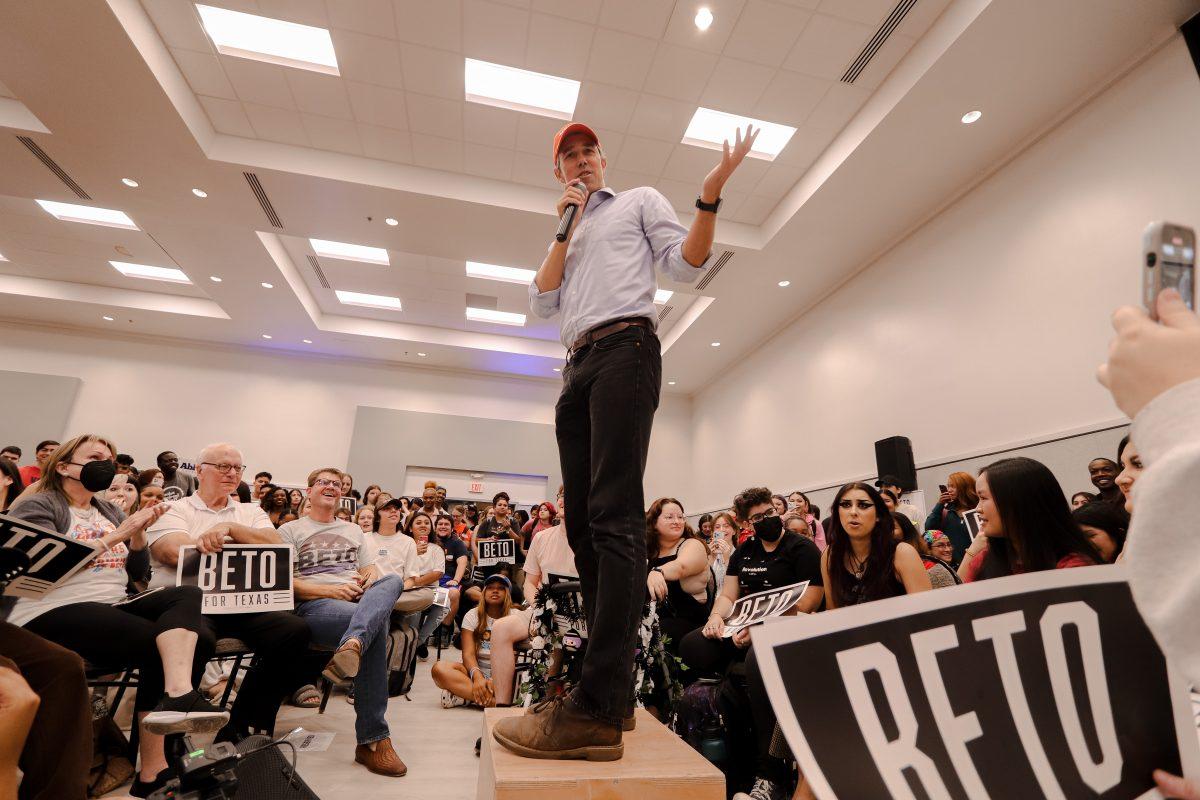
657 764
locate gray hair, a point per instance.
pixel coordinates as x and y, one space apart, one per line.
207 453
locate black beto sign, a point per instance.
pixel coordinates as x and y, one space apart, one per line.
240 578
1046 685
497 551
52 558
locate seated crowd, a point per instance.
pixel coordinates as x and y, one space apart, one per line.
373 569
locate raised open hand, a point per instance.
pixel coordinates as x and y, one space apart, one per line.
731 157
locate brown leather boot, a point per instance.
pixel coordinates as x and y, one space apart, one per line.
343 667
559 729
628 724
383 760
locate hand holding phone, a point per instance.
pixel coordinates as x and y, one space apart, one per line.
1169 262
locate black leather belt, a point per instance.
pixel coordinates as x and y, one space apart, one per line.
608 329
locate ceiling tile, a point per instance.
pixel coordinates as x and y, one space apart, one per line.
435 72
639 17
178 24
495 33
434 23
747 175
611 143
488 162
679 72
688 163
535 134
735 86
277 124
893 50
827 46
375 105
487 125
790 98
259 83
306 12
605 106
778 181
681 194
204 74
840 103
5 91
319 94
368 59
644 156
754 210
364 16
811 5
623 181
868 12
533 170
682 28
807 143
620 59
435 116
327 133
437 153
765 32
660 118
228 116
558 46
578 10
387 144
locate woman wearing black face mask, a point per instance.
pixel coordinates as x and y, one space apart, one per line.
161 633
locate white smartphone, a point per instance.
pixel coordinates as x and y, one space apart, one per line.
1169 261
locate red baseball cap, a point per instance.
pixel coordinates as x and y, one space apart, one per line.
567 130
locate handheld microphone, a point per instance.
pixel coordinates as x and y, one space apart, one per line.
568 216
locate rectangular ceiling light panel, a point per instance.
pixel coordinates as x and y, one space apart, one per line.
495 272
168 274
274 41
368 300
710 129
520 90
350 252
71 212
662 296
491 315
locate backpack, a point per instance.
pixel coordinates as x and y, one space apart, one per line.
698 720
402 660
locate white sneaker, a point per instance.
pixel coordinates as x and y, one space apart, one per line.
451 700
762 789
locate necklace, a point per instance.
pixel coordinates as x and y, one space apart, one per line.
857 566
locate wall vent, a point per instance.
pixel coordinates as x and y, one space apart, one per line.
878 40
320 273
260 194
664 312
714 269
53 166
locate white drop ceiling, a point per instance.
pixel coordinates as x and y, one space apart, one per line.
134 88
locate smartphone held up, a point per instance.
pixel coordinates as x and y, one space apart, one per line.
1169 261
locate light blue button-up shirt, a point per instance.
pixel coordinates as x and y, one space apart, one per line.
609 271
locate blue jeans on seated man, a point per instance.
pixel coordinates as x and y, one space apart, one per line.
335 621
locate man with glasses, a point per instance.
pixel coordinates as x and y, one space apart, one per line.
210 519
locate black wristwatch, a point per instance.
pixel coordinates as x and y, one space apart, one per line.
710 207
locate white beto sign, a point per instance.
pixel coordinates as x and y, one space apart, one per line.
240 578
1046 685
762 605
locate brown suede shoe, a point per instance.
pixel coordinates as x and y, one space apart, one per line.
343 667
628 724
559 729
382 760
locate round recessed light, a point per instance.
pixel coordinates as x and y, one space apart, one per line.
421 355
107 318
266 285
716 344
199 193
266 336
971 116
785 284
392 221
558 369
130 182
307 341
214 279
704 18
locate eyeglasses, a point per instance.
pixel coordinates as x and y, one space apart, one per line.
321 483
224 469
770 512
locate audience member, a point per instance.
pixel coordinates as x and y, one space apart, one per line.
348 486
429 499
11 484
457 561
704 527
384 497
348 605
678 578
780 504
147 477
946 515
903 506
208 520
1131 470
11 453
936 555
150 495
499 526
429 564
370 495
720 549
441 499
122 493
1080 499
546 514
30 473
343 514
124 463
176 484
365 518
1105 525
261 481
275 504
471 680
1103 472
296 500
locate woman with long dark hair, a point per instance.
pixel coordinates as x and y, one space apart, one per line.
371 494
678 576
276 503
11 484
864 562
1027 521
1105 526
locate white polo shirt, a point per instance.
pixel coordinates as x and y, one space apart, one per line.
192 516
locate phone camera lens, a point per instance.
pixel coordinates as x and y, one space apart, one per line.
1151 259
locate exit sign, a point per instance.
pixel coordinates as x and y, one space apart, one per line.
477 487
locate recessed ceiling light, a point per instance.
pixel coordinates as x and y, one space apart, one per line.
350 252
368 300
495 272
392 221
520 90
267 285
420 355
2 258
662 296
214 279
275 41
307 341
130 182
704 18
710 129
266 336
199 193
670 383
107 318
72 212
971 116
558 369
168 274
785 284
716 344
492 315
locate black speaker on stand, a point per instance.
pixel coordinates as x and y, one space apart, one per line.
894 456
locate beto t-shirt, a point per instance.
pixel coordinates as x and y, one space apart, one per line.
795 559
327 552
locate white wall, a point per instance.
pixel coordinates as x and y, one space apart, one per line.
998 308
288 414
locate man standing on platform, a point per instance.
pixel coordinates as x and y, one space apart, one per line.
601 279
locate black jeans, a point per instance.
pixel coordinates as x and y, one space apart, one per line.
602 421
